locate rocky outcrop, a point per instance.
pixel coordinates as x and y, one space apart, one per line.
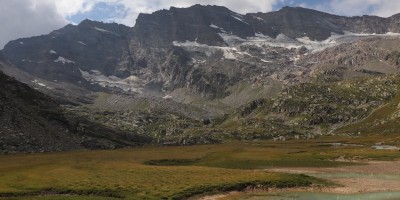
364 58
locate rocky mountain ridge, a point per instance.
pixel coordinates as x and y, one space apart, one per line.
164 50
204 73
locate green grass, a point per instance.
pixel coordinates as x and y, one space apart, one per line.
188 171
382 121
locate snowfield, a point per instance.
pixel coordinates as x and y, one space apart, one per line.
130 84
63 60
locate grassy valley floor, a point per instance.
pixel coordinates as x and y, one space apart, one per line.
180 172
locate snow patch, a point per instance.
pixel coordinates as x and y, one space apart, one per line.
385 147
215 26
231 40
229 55
52 52
36 82
347 33
392 34
63 60
198 61
336 39
228 52
261 35
167 97
194 46
266 61
258 18
240 19
22 43
105 31
130 84
284 41
82 43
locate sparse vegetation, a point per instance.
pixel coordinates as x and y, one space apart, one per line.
179 172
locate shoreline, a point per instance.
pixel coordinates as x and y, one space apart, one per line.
368 182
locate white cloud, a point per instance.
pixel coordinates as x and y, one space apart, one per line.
354 7
24 18
383 8
387 8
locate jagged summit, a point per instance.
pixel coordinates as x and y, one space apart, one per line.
193 23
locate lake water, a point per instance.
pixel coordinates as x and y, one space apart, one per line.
332 196
324 196
356 175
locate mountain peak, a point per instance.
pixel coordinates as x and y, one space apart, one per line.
300 9
89 22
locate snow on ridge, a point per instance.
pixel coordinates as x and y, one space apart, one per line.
348 33
281 40
63 60
336 39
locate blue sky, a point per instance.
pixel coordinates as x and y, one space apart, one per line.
25 18
100 12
